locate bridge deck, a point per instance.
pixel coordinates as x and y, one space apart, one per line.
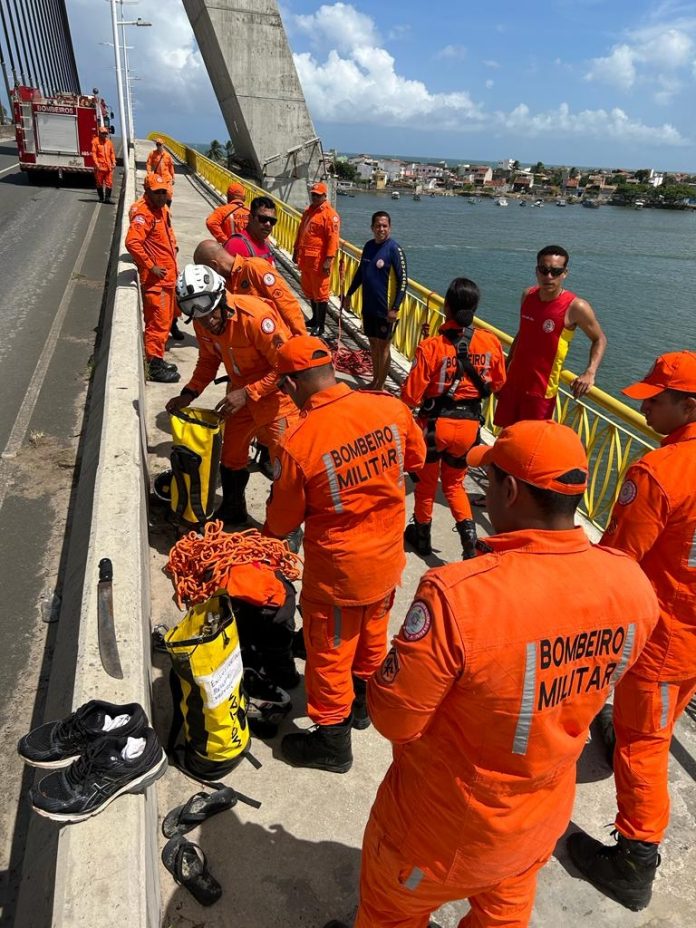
295 861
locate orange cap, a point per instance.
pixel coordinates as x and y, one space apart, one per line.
302 352
539 452
319 187
103 129
235 190
154 182
675 370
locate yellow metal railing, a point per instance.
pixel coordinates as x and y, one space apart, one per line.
614 434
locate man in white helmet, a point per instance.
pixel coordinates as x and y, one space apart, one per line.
244 332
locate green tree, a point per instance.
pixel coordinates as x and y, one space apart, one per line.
215 152
345 170
538 168
673 194
642 175
515 165
573 173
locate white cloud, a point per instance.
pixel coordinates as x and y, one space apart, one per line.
457 52
617 69
646 55
338 26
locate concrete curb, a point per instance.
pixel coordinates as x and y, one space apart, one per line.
114 854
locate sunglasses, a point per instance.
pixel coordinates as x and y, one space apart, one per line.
266 220
544 270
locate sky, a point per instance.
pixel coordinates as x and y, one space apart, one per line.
576 82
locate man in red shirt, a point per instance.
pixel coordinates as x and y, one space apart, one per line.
549 317
654 521
252 241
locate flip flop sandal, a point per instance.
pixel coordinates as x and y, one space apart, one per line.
186 863
199 807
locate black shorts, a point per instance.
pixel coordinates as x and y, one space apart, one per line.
379 327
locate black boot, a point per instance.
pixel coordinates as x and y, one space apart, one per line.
313 318
326 747
158 371
605 724
417 535
263 460
233 510
361 718
321 319
107 194
176 333
100 194
467 533
625 871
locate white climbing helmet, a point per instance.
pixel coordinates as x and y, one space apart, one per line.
198 290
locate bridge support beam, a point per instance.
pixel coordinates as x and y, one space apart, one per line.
250 65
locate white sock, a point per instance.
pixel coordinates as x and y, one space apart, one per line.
134 748
110 724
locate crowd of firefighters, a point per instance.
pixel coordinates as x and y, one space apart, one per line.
489 688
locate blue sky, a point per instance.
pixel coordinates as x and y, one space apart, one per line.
579 82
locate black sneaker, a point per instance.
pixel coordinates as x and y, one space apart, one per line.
56 744
102 774
159 371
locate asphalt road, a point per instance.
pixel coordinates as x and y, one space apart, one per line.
54 250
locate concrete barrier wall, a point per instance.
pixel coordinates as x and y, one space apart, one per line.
106 870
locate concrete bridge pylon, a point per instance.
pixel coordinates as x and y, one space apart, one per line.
250 65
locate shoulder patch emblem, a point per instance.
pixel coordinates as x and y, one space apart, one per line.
268 279
628 493
277 469
379 263
549 325
140 220
417 622
268 325
390 667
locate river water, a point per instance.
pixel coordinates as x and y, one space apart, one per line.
636 267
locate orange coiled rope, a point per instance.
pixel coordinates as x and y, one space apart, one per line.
356 361
199 564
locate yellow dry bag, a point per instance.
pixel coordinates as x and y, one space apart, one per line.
195 457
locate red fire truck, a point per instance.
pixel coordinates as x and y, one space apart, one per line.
55 133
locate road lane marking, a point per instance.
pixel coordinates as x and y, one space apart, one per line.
11 168
26 410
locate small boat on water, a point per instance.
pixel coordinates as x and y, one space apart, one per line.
523 202
639 204
395 195
501 201
538 204
417 193
561 202
590 204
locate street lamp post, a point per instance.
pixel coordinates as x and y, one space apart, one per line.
119 87
125 108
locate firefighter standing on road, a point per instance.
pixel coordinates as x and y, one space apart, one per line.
231 217
253 277
159 161
104 159
654 521
340 470
488 693
244 332
315 248
451 374
152 243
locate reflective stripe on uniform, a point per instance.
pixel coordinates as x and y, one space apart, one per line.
626 653
338 622
691 561
330 468
414 878
443 375
524 721
399 450
664 702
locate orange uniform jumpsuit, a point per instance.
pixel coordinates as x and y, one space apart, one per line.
541 346
152 243
253 277
247 347
487 696
317 239
227 219
432 375
162 163
340 470
104 159
654 520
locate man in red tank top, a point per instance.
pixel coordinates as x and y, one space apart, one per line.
252 241
549 316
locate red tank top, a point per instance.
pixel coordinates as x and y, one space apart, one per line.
542 344
241 243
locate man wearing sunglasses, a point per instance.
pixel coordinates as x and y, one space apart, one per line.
340 471
244 333
549 317
316 246
252 241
